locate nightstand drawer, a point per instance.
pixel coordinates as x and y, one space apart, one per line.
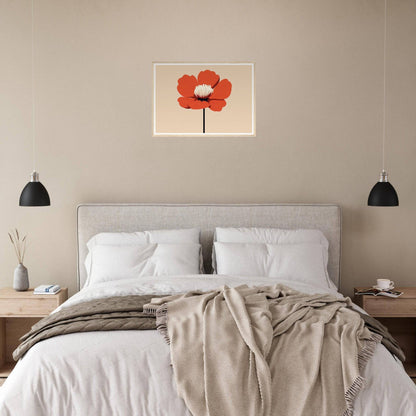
26 304
387 307
30 307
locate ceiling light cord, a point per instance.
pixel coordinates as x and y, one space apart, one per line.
33 91
384 85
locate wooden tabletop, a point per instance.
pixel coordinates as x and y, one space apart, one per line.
387 307
9 292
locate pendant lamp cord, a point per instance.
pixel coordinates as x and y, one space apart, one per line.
384 82
33 90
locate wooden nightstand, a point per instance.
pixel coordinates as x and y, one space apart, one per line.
18 312
399 316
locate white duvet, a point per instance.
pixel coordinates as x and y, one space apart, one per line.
128 373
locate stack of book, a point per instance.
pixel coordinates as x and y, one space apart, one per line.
47 290
391 293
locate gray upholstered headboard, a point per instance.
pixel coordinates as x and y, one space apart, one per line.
96 218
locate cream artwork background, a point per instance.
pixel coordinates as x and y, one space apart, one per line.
237 118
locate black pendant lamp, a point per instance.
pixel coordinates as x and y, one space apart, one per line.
383 193
34 194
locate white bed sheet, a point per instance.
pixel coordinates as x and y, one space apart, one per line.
128 373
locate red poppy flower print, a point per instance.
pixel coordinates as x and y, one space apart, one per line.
206 91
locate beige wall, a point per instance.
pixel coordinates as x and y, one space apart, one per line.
319 101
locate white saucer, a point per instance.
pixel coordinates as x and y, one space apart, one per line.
383 290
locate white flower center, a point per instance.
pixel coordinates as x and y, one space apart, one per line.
203 91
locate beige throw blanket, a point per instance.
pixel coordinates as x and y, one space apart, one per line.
265 351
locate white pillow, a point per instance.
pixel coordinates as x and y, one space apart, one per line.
297 262
189 235
114 262
270 236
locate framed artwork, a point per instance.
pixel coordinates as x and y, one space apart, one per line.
203 99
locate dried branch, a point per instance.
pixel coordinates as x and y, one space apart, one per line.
24 248
19 245
14 245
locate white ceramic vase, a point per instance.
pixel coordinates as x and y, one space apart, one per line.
21 278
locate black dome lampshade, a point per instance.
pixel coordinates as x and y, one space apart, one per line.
34 194
383 193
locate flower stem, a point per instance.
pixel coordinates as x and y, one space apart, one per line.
203 120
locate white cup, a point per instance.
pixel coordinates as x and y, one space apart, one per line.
385 284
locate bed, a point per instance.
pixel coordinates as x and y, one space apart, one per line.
129 372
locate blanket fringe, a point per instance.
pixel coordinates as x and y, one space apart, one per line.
161 314
363 356
368 351
162 321
150 309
